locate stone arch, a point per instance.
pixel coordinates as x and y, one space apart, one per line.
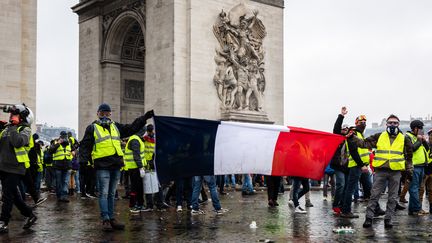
116 33
123 65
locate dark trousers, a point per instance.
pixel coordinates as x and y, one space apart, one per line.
297 193
273 184
137 188
183 191
11 196
50 178
29 184
87 177
220 182
126 182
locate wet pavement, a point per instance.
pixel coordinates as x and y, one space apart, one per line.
79 221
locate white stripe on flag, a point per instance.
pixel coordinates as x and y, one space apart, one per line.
242 148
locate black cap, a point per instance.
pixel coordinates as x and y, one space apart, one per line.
63 133
104 107
149 128
417 123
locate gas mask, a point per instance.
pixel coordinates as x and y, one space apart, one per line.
393 130
105 121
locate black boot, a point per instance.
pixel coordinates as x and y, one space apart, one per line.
367 223
30 221
388 224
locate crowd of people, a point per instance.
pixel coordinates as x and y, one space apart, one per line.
111 153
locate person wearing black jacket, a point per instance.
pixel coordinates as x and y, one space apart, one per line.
339 162
102 144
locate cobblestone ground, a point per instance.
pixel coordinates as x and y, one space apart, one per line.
78 221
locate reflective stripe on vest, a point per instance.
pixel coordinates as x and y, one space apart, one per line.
128 158
63 153
363 153
420 156
107 142
21 153
393 153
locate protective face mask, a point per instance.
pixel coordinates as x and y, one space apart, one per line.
104 121
393 130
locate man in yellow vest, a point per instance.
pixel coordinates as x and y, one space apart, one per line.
393 154
14 160
358 162
61 152
427 179
102 145
134 163
420 161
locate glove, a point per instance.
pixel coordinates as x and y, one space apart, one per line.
142 172
148 114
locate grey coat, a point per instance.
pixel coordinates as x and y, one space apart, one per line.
9 140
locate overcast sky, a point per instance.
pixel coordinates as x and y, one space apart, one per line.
372 56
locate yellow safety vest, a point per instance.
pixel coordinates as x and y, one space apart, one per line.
149 150
40 161
107 142
128 158
63 153
21 153
393 153
421 155
363 153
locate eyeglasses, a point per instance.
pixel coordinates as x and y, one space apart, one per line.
393 123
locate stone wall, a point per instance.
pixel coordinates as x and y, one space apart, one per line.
18 53
194 51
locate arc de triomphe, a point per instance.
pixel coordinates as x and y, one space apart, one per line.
212 59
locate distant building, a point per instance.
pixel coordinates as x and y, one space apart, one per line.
404 125
48 133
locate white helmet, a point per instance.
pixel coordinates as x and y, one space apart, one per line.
25 113
30 116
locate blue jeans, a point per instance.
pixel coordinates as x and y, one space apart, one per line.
351 185
297 193
247 183
232 178
38 181
62 183
340 188
107 185
77 181
414 204
197 184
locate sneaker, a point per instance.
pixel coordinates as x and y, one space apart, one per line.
422 212
221 211
146 209
400 207
291 203
30 221
325 199
106 226
164 205
92 195
116 225
197 212
403 200
271 203
179 209
3 227
308 204
40 201
84 196
135 210
349 215
298 209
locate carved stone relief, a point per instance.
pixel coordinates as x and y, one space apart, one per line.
239 77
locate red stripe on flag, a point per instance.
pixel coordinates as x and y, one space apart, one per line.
304 152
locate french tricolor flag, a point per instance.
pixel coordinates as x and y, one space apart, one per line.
189 147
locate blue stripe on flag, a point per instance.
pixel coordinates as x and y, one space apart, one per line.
184 147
